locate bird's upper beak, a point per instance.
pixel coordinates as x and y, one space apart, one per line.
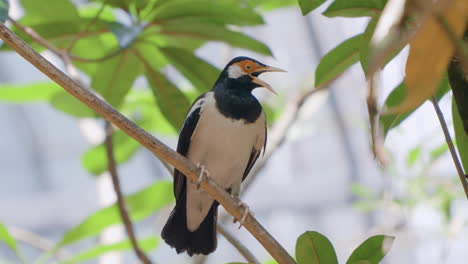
261 70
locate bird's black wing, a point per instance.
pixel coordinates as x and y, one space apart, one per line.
183 144
254 156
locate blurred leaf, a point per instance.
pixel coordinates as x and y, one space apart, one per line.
362 191
199 72
426 64
364 52
438 152
371 251
115 77
269 5
6 238
314 248
92 10
459 82
338 60
444 199
125 34
355 8
20 93
145 244
365 206
308 6
4 7
272 261
460 135
53 11
171 101
413 156
95 159
68 104
140 205
152 55
215 32
225 12
398 94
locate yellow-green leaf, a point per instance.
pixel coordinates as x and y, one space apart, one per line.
371 251
430 52
314 248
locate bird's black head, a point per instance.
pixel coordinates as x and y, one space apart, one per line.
243 72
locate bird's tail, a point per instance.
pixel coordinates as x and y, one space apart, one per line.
201 241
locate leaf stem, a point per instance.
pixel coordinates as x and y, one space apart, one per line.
449 141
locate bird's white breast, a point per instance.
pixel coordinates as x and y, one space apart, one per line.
223 145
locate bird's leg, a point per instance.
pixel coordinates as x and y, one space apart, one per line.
204 173
246 210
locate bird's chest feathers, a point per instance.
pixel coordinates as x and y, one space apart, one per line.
238 106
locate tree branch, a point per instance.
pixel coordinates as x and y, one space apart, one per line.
112 167
161 150
243 250
448 138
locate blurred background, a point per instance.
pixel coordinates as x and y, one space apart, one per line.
322 178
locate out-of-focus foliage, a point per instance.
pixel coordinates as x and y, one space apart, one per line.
338 60
4 6
6 238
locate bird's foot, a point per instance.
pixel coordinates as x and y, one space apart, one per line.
204 173
244 215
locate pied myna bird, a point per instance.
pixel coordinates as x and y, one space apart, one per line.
223 133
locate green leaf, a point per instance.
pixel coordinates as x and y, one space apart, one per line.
225 12
68 104
53 11
199 72
397 96
145 244
140 205
365 49
314 248
125 34
362 191
458 79
371 251
338 60
438 152
6 238
214 32
414 154
4 7
171 101
21 93
308 6
460 135
95 159
355 8
269 5
114 77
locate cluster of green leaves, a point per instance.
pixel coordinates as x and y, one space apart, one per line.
114 53
422 81
315 248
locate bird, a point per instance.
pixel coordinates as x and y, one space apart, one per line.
224 134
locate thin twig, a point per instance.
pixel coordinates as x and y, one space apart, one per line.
87 28
161 150
112 168
38 242
451 147
244 251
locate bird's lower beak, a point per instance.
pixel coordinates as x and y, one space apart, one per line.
263 70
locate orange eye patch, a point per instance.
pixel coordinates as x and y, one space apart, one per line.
247 66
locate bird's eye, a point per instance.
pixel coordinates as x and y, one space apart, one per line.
248 67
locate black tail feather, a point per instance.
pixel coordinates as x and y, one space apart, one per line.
201 241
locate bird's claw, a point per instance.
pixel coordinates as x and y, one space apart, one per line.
244 215
204 173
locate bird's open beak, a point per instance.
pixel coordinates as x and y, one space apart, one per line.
261 70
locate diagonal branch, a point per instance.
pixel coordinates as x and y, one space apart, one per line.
448 138
112 167
161 150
